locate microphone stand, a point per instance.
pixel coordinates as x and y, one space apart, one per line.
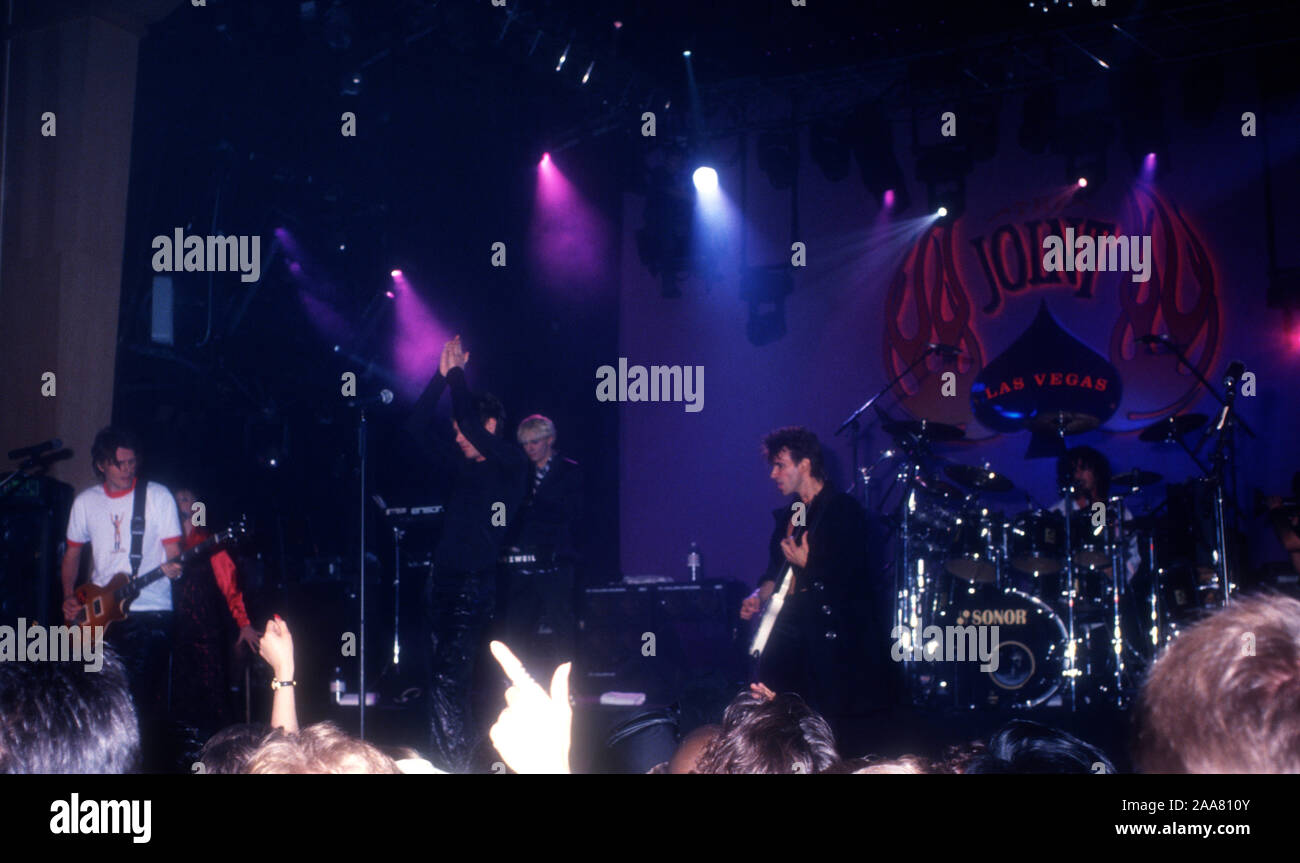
361 541
1224 450
1224 453
1182 358
852 421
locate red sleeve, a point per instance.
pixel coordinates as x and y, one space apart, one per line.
224 570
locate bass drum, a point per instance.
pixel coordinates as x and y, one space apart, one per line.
1027 637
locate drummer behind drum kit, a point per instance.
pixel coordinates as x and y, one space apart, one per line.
1061 641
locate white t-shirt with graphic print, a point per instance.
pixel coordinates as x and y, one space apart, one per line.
104 520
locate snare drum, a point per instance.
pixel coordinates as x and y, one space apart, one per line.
1037 538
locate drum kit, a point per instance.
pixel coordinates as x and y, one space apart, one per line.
1068 631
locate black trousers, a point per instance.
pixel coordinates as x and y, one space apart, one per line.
537 596
144 641
459 609
814 654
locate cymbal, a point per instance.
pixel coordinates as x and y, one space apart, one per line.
938 486
1172 428
1135 479
924 429
978 477
1074 422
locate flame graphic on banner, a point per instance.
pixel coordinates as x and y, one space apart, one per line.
926 287
1157 307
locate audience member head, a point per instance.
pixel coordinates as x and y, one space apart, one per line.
957 757
229 750
1022 746
908 764
1225 695
761 735
57 717
319 748
687 757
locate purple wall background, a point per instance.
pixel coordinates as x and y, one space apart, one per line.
699 476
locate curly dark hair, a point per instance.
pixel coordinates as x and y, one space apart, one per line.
783 735
801 443
1024 746
1090 459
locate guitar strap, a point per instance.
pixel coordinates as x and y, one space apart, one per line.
137 524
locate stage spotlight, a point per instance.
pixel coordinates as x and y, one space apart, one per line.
337 348
396 274
563 57
1083 182
705 178
889 197
941 212
587 75
546 158
686 54
389 294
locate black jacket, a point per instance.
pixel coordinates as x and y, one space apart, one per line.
547 518
470 541
838 570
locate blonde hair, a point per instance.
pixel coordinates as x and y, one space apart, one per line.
319 748
536 422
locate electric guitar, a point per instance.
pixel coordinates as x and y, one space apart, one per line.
770 614
107 604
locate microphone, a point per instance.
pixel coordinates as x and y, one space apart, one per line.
36 449
943 350
384 397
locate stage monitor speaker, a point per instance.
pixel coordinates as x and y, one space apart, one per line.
654 638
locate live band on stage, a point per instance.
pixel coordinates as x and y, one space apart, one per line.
923 583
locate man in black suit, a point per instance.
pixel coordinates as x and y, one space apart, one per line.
829 644
538 563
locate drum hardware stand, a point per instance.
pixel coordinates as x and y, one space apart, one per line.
1118 559
905 583
1072 649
